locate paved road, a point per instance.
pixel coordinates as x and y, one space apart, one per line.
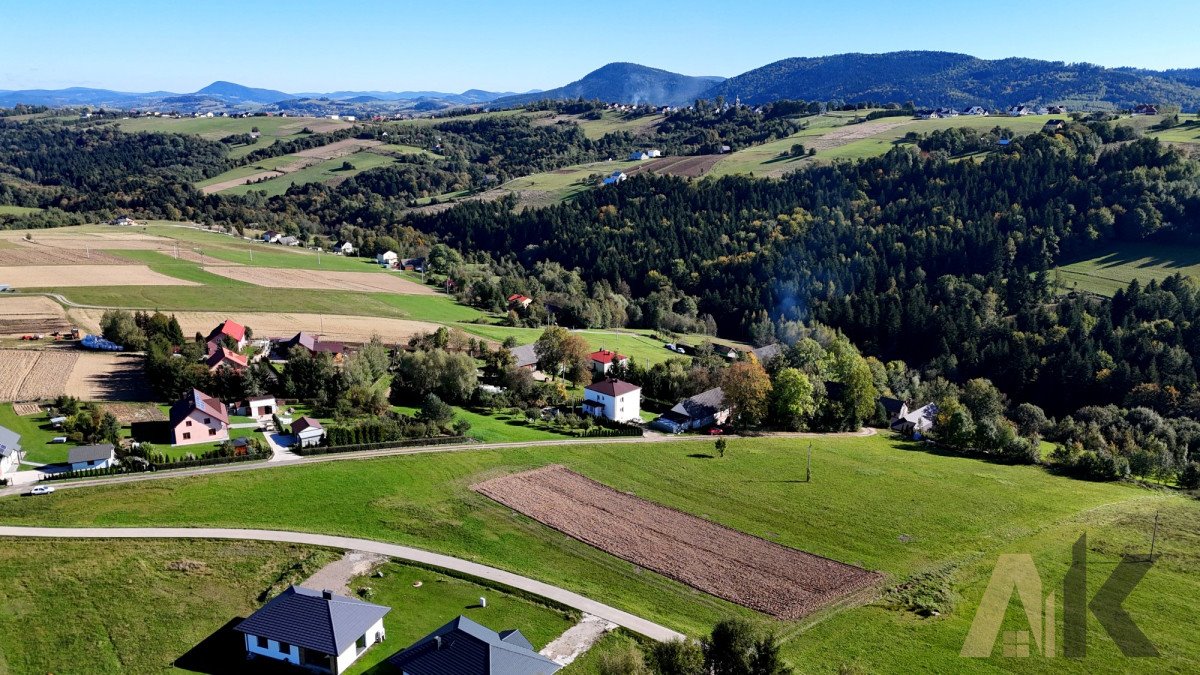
559 595
371 454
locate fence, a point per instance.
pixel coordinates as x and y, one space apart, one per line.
386 445
132 467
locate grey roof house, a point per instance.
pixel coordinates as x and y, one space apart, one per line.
702 410
526 356
318 630
100 456
10 450
464 647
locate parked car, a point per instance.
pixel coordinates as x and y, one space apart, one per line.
42 490
59 439
715 431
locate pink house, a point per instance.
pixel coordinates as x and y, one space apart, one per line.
227 358
199 418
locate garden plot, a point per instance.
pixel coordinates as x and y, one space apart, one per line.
108 376
65 275
367 282
28 256
732 565
30 375
24 315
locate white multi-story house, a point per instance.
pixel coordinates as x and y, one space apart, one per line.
612 399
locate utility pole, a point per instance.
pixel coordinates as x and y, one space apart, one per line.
808 469
1154 536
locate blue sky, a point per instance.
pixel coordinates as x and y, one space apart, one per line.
518 45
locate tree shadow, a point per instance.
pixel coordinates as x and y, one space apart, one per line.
701 455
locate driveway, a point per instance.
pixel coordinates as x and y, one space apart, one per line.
559 595
279 447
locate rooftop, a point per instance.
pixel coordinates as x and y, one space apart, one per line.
317 620
464 647
613 387
90 453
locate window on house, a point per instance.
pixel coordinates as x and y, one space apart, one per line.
188 424
258 642
361 644
187 435
285 648
212 432
208 420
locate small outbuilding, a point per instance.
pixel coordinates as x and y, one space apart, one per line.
99 456
308 432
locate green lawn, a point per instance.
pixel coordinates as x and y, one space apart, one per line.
1110 269
123 606
499 427
416 612
551 187
317 173
268 164
216 128
35 432
876 502
10 210
637 344
612 121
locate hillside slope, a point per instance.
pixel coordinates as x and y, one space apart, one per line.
624 83
942 78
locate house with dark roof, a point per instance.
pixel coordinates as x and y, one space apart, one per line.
613 399
465 647
99 456
916 423
705 409
343 247
199 418
317 630
313 343
603 360
893 408
526 356
1054 126
766 353
10 450
308 432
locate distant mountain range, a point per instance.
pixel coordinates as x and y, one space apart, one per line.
926 78
942 78
232 94
625 83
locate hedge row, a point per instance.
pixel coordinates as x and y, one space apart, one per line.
604 432
405 443
142 468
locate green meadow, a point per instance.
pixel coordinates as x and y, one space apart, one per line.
932 524
1110 269
327 170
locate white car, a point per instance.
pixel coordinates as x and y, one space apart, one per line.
42 490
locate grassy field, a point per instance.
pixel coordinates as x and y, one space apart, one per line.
416 612
318 173
130 606
268 164
552 187
611 122
499 427
35 440
10 210
1110 269
638 344
875 502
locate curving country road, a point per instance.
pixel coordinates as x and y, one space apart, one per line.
559 595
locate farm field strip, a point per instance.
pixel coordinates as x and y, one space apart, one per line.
69 275
27 374
729 564
23 315
368 282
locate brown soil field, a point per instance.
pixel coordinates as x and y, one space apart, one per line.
729 564
29 375
234 182
368 282
63 275
339 148
22 256
108 376
55 241
128 413
269 324
692 166
840 136
21 315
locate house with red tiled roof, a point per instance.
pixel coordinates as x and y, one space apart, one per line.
518 300
223 356
228 329
613 399
603 360
199 418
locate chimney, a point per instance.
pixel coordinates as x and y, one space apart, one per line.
437 642
327 594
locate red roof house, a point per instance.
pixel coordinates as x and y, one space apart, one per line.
223 356
603 360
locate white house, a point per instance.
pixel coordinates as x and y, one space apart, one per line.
387 258
257 407
271 236
613 399
917 422
654 153
1020 111
615 178
638 156
343 247
10 451
317 630
99 456
308 432
603 360
977 110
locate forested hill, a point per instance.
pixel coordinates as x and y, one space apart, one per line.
624 83
942 78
